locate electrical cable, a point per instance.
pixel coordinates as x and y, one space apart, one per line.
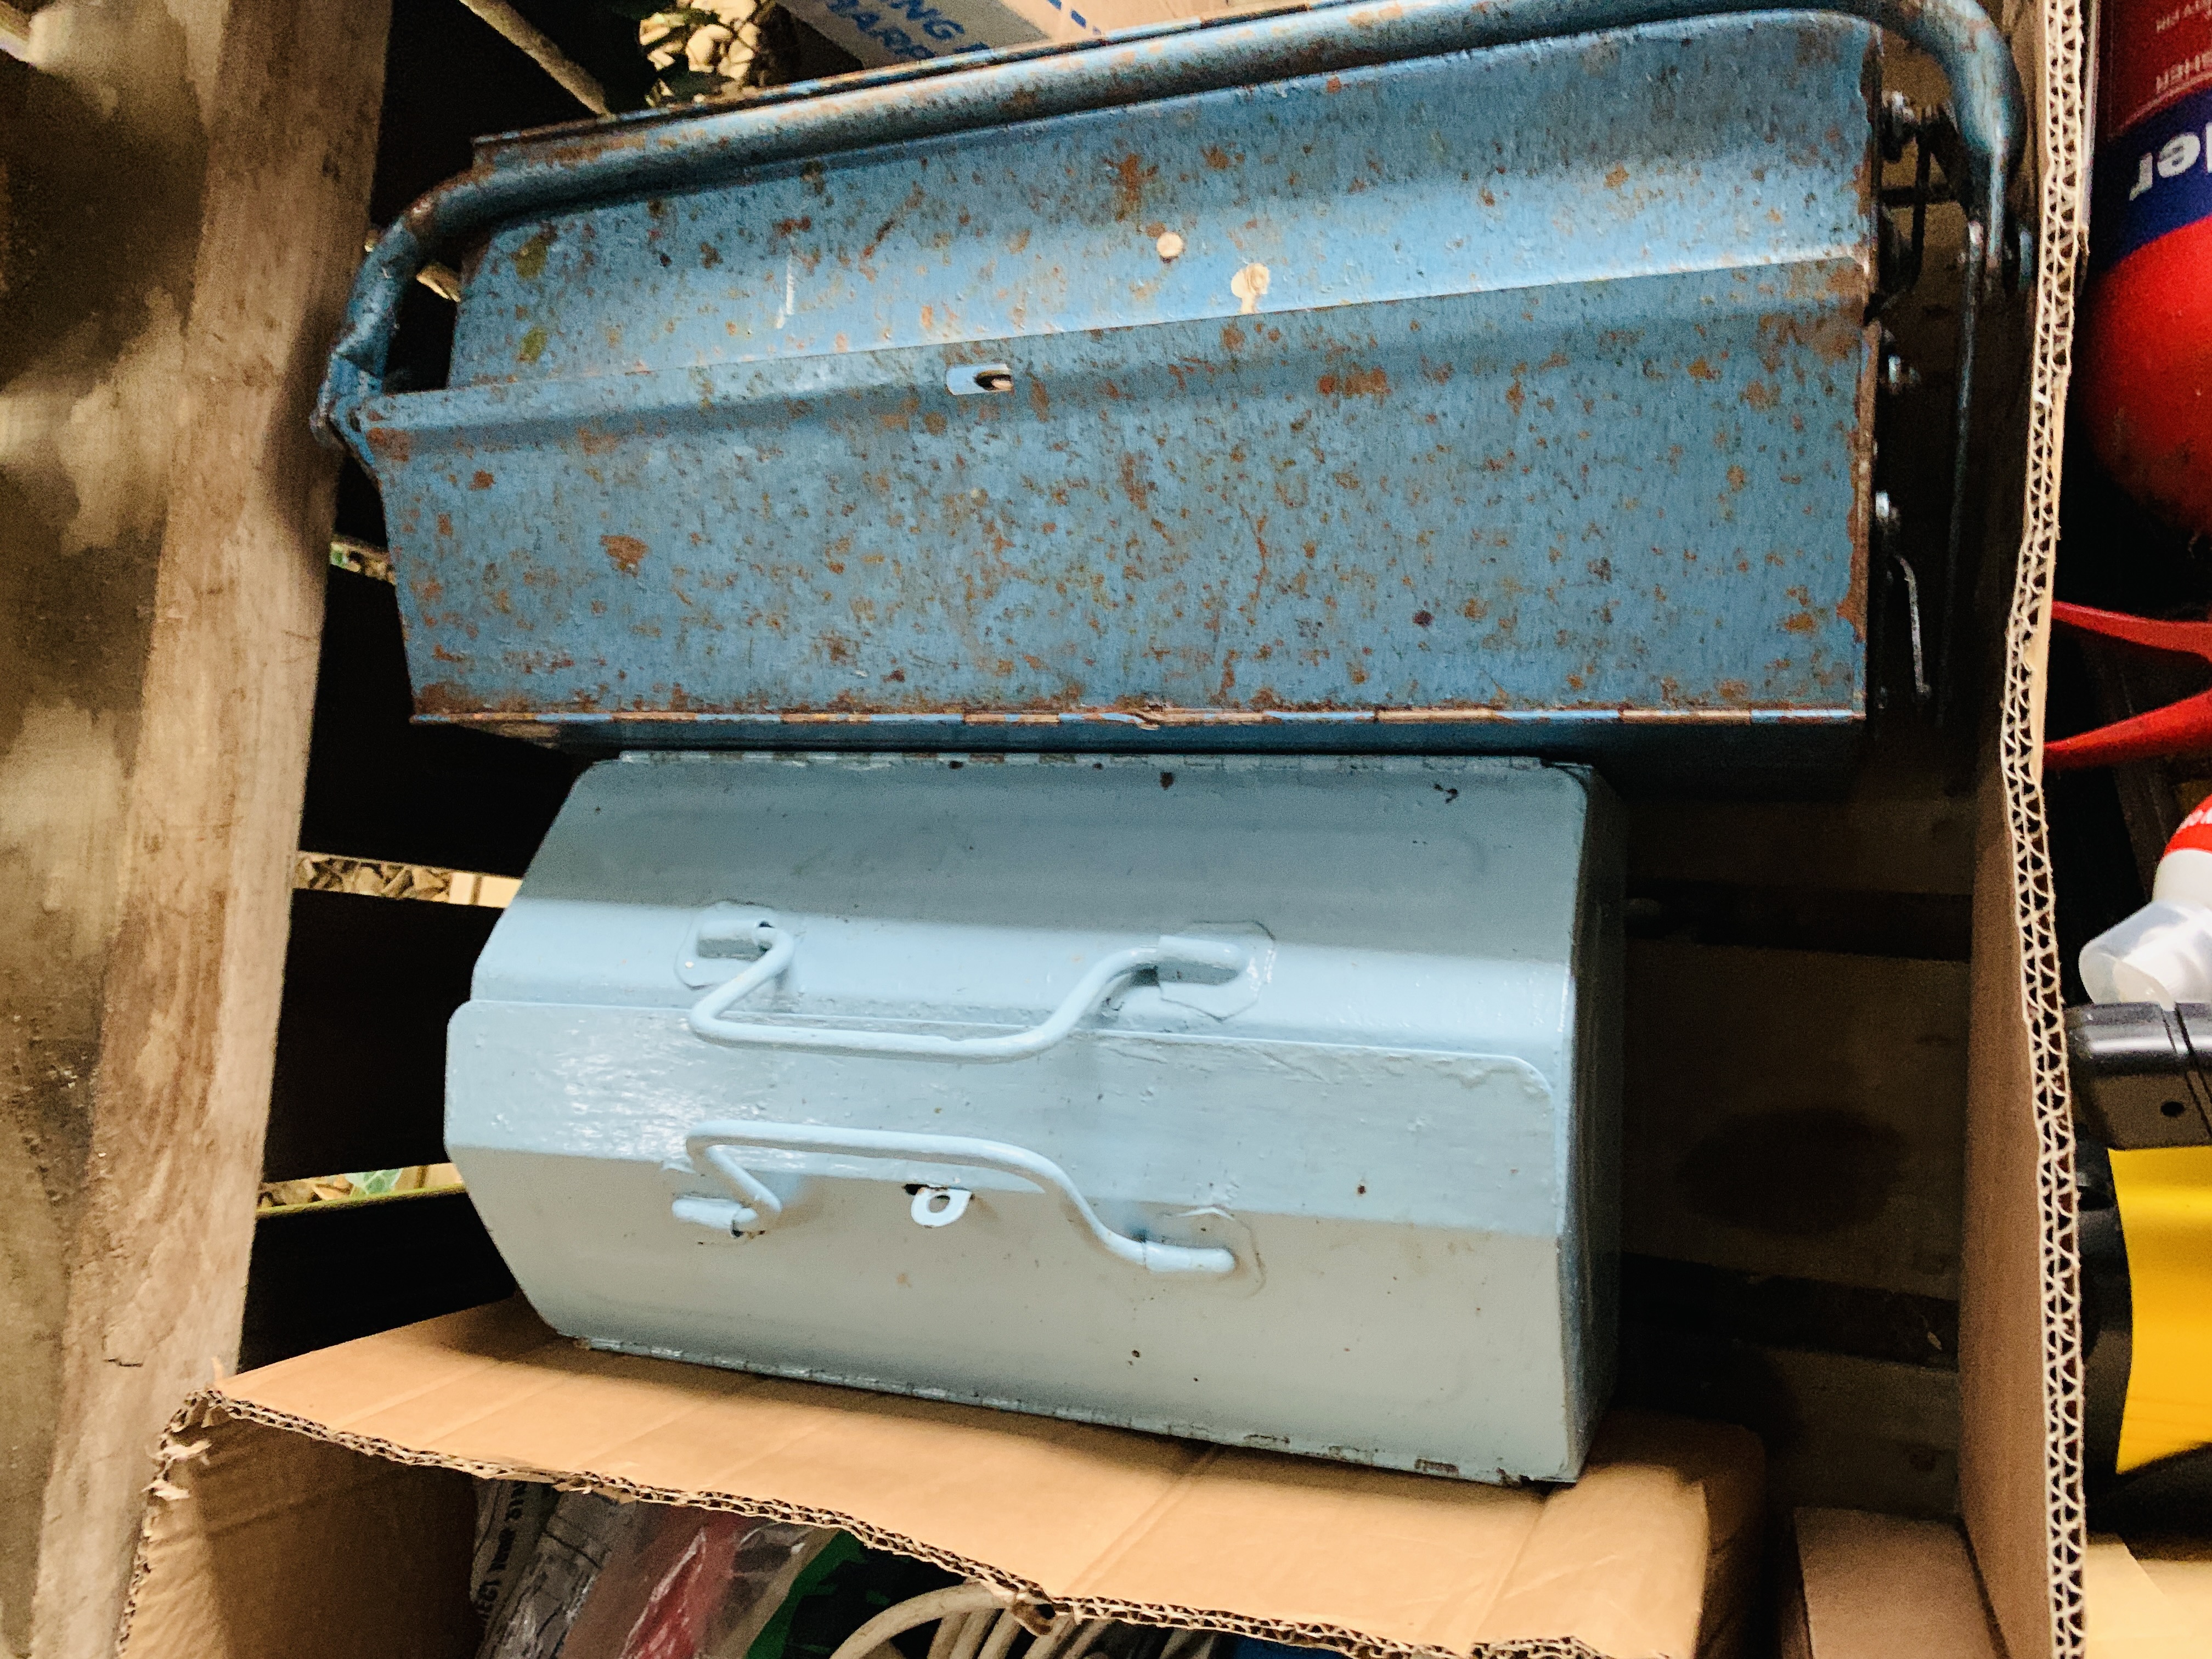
974 1622
973 1629
1073 1635
979 1599
948 1634
1002 1637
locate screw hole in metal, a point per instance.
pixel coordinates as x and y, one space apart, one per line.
969 379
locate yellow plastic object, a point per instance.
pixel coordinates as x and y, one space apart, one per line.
2165 1214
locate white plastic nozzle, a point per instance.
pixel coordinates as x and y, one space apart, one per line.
2162 953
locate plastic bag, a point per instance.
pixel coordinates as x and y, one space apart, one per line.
575 1575
772 1560
579 1537
511 1515
659 1590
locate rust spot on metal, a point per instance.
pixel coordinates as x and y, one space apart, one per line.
786 227
627 552
1232 337
1618 177
933 423
1835 334
1217 158
445 524
1355 383
1851 609
481 480
1130 175
1134 485
586 150
1737 477
1759 395
390 442
1702 370
1422 618
593 441
1475 609
709 255
445 697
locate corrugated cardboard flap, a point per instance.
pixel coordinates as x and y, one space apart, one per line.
1104 1522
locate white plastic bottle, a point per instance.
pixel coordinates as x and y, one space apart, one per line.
2162 953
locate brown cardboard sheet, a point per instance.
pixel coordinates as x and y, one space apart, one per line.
1650 1556
2134 1614
1878 1586
2019 1476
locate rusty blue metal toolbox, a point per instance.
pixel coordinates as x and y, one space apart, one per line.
1419 375
1265 1099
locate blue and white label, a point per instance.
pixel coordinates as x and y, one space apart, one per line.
2155 177
880 31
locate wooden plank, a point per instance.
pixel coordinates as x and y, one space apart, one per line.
1797 1112
1907 843
360 1078
1838 1429
288 92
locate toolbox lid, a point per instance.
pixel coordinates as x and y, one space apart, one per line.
1407 903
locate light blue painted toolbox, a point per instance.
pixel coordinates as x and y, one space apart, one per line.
1265 1100
1421 375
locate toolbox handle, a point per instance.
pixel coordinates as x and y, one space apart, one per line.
715 1148
632 158
1223 956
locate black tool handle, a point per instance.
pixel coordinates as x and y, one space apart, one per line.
2142 1074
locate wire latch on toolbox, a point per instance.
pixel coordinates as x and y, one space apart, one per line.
1172 957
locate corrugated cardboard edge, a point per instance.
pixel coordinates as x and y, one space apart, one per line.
2057 67
208 1408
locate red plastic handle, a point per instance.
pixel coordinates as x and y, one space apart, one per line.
2179 728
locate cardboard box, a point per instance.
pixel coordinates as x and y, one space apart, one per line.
334 1482
1871 1586
879 31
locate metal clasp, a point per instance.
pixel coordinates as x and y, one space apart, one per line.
938 1206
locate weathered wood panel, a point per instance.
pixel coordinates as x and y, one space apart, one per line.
1796 1112
286 92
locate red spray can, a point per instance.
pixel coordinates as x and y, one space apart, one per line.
2147 335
